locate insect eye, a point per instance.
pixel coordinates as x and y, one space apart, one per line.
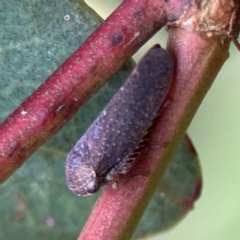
93 186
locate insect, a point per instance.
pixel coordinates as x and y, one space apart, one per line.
105 150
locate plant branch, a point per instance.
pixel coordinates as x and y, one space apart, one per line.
117 212
198 57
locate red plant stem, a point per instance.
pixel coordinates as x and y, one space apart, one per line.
42 114
198 60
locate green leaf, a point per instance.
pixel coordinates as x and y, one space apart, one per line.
35 38
36 204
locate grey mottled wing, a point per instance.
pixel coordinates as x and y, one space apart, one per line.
123 123
121 126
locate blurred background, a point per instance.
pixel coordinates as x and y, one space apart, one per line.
215 132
